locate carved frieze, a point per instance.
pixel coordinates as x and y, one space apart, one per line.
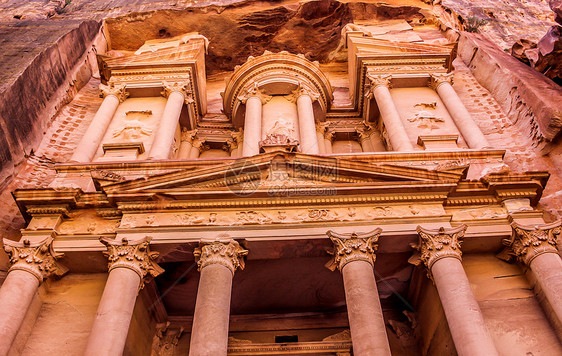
116 90
434 245
134 255
528 242
353 247
226 252
37 258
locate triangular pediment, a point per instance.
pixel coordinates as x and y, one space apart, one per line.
282 169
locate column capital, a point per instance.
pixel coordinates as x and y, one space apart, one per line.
187 135
528 242
200 144
134 255
226 252
300 91
37 258
353 247
183 87
376 81
119 91
254 91
437 244
439 78
237 136
322 127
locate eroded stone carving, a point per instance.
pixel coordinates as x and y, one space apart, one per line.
254 91
353 247
437 244
134 255
439 78
528 242
166 340
427 120
183 87
226 252
37 258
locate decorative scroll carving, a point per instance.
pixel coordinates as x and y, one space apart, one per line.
254 91
166 340
182 87
438 79
37 258
134 255
226 252
353 247
437 244
528 242
116 90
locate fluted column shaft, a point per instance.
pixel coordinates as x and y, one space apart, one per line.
466 125
441 254
354 256
217 260
252 126
129 263
31 263
535 246
391 118
93 136
307 126
164 138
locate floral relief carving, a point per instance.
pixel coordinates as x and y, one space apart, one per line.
134 255
37 258
353 247
528 242
434 245
226 252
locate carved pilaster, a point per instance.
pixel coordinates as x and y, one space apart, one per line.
134 255
226 252
254 91
438 79
437 244
528 242
353 247
37 258
183 87
116 90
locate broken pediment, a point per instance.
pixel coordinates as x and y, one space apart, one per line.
282 169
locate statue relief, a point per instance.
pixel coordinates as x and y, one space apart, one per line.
133 127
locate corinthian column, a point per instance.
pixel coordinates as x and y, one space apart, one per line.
442 83
30 263
177 94
217 261
397 135
535 246
113 95
354 256
307 126
441 254
129 263
254 99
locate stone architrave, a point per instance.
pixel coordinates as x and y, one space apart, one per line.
380 90
31 263
254 99
442 84
177 93
440 252
217 260
354 255
113 95
535 247
130 262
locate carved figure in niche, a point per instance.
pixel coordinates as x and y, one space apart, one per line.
133 128
426 120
